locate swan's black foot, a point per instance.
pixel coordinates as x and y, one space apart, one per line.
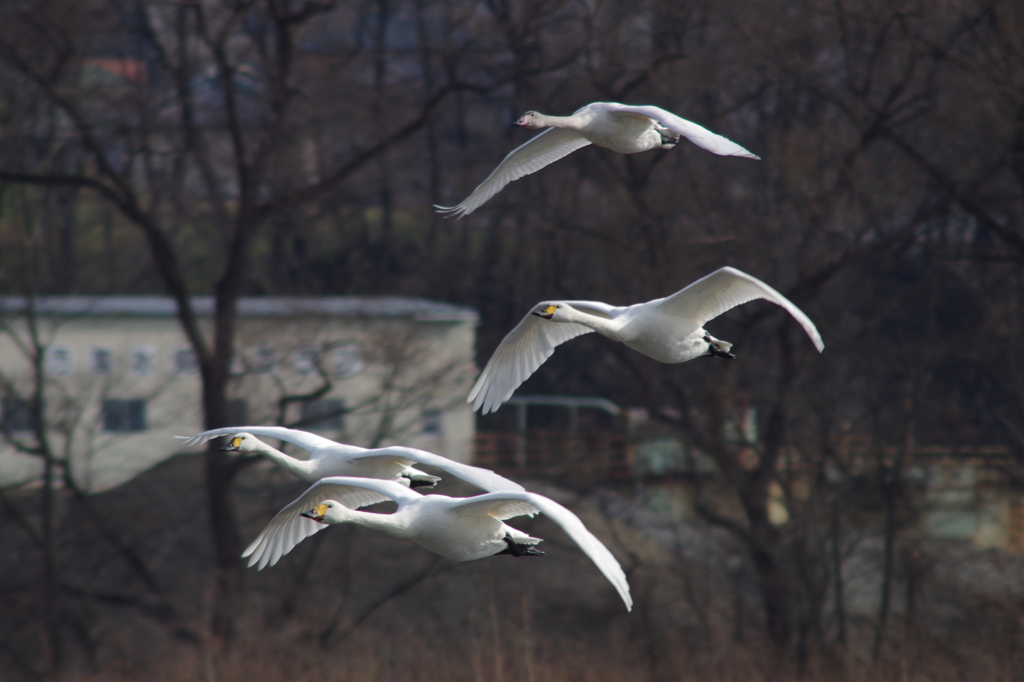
717 352
413 483
519 550
669 138
418 482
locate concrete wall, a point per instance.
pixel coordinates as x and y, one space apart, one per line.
402 380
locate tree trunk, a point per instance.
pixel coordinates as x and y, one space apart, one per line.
227 544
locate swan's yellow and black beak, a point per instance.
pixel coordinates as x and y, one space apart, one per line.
234 445
546 312
316 513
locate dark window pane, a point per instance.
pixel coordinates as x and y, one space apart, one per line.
185 361
16 416
347 360
59 361
430 421
238 412
124 415
306 360
264 360
327 414
142 361
102 361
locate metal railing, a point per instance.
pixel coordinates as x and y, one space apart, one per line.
581 455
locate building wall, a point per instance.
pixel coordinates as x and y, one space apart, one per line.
401 380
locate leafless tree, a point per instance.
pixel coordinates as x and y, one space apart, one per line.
217 101
278 147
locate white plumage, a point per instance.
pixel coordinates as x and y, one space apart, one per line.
620 127
669 329
459 528
327 458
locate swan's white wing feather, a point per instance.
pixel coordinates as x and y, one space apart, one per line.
723 290
498 505
288 528
699 135
482 478
518 356
541 150
304 439
504 506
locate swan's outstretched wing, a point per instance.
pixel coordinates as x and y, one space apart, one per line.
723 290
699 135
498 505
304 439
288 528
506 505
522 351
541 150
482 478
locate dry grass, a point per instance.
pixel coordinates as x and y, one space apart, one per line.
495 620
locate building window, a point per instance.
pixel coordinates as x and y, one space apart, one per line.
346 361
124 415
142 361
101 362
238 412
430 422
185 362
59 361
326 414
16 415
306 361
264 360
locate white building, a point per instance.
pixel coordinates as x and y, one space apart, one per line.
121 380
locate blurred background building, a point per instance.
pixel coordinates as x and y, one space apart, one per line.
121 380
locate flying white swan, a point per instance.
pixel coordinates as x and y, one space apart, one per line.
620 127
458 528
327 458
669 329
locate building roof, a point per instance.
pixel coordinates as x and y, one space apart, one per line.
419 309
566 401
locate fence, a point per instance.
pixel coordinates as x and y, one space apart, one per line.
586 455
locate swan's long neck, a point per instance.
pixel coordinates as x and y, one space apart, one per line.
299 467
390 524
570 122
290 436
601 325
